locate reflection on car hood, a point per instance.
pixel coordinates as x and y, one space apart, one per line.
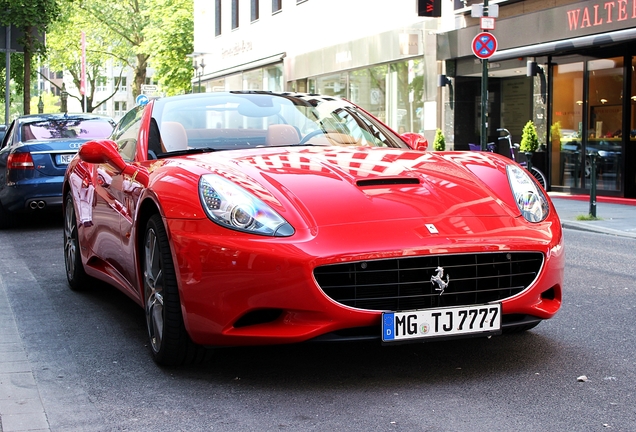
358 185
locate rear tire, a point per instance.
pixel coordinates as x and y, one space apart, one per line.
75 273
169 341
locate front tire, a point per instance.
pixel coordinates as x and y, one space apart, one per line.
75 273
169 340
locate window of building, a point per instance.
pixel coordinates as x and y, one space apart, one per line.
122 82
101 83
277 6
235 14
255 10
587 119
217 17
120 108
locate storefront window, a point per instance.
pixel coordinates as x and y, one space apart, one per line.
273 78
587 129
233 82
368 89
217 85
332 85
253 80
567 123
605 125
404 96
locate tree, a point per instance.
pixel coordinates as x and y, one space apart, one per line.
529 138
170 37
33 18
65 53
122 24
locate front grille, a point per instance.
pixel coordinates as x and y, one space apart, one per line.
405 283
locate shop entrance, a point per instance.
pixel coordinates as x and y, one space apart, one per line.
591 120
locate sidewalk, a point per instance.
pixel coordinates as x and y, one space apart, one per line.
21 407
615 216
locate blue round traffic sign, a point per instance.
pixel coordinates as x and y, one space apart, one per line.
141 99
484 45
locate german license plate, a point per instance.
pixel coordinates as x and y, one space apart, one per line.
64 159
451 321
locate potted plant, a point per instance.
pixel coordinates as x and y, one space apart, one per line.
529 138
439 143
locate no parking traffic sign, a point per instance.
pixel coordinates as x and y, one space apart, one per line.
484 45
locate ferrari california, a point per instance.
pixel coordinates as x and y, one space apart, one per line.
33 158
252 218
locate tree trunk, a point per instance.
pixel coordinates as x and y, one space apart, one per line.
140 73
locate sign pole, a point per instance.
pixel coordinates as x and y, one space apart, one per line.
484 95
7 85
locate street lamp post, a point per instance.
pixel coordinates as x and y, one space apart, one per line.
198 72
63 99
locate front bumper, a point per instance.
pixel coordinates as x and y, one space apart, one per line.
247 290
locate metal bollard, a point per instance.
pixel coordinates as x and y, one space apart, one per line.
593 185
529 160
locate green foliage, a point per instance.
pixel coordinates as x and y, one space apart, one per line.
65 51
32 18
123 34
50 102
439 143
170 37
529 138
121 25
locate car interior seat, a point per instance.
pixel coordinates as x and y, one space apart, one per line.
173 137
282 134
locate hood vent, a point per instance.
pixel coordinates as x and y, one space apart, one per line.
388 181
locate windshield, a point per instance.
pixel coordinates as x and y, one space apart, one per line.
64 128
237 120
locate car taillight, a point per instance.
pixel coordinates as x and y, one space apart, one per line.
20 161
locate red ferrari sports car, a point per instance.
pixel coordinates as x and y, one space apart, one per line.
247 218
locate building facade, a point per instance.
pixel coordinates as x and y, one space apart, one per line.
380 58
579 90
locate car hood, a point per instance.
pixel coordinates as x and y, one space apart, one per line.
352 185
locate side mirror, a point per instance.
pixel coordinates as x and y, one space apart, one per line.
102 151
415 141
106 152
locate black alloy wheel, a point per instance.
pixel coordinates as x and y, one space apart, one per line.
169 340
75 274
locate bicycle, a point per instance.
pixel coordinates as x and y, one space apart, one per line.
513 150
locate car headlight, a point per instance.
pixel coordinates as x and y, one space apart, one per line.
529 197
602 153
233 207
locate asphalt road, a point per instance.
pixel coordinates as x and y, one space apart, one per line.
90 359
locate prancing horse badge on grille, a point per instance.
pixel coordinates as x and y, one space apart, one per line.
438 282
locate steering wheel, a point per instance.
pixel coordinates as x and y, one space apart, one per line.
311 135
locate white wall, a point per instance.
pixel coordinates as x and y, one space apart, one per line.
297 29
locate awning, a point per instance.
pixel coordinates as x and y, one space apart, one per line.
242 67
566 45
